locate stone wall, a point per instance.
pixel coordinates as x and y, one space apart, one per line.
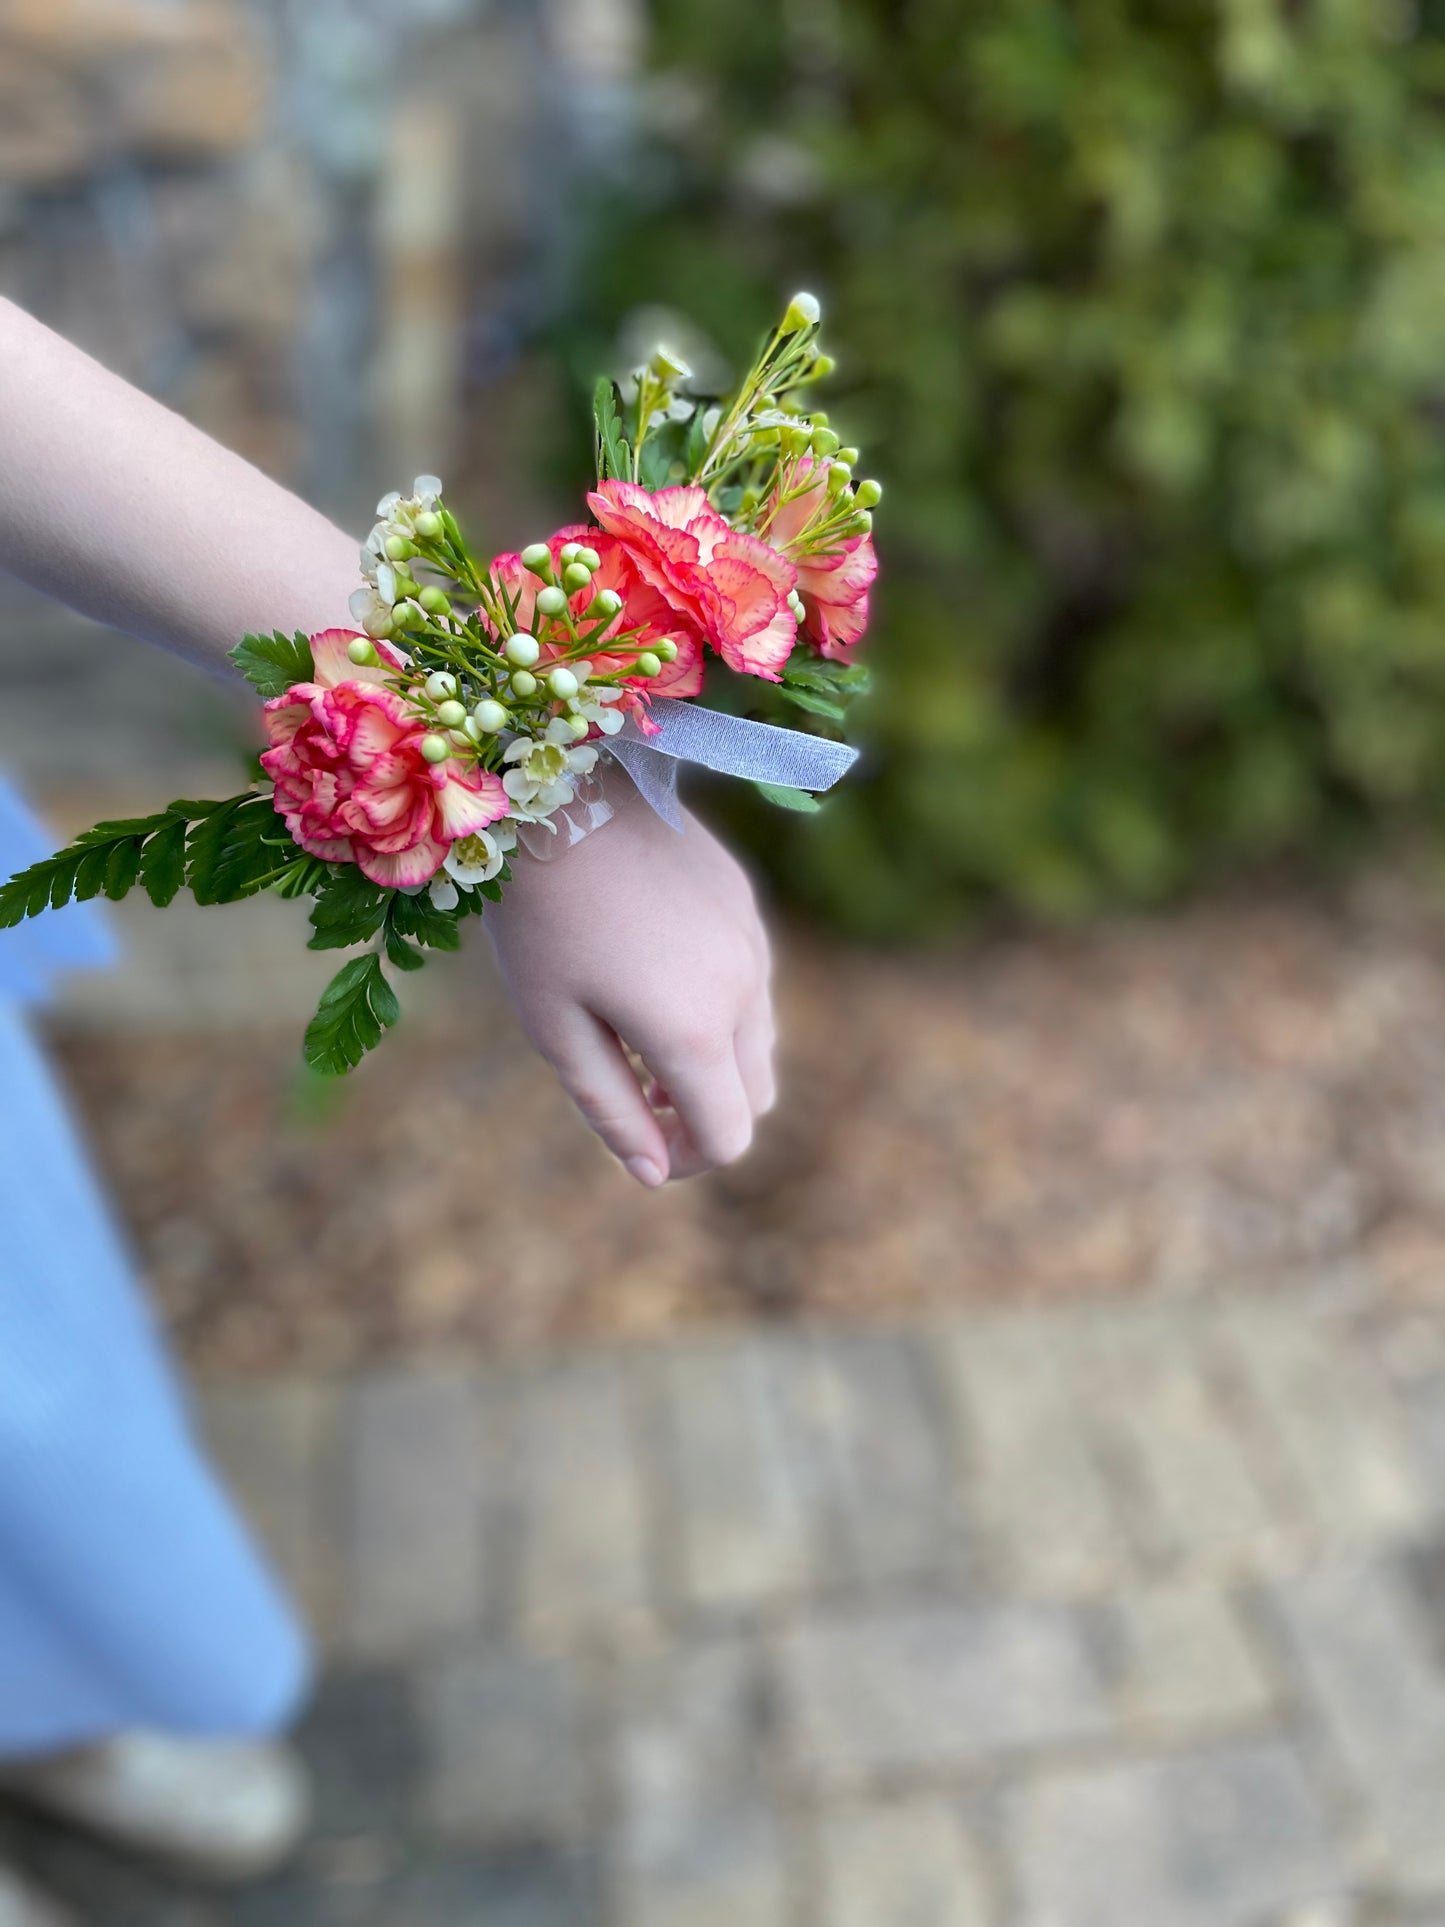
314 226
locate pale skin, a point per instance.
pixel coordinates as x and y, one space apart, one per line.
638 935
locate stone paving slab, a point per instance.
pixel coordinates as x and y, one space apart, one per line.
1223 1838
907 1862
1133 1619
927 1690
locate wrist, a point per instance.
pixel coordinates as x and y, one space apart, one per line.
606 793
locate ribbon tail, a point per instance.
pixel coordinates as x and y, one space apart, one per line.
729 745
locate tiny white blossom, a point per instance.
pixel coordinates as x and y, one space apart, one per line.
541 777
370 612
477 858
398 512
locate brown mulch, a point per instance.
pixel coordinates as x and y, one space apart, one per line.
1236 1091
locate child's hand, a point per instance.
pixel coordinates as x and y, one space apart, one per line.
649 937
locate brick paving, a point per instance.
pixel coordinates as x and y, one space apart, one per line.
1123 1617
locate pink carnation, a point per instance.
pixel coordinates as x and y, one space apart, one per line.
350 777
834 585
731 588
643 609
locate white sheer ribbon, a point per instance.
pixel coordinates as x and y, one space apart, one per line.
731 745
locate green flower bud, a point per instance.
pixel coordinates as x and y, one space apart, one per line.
580 728
436 602
398 548
576 577
569 552
524 683
666 649
819 418
460 737
522 649
863 521
406 615
589 558
804 311
435 749
869 494
795 440
839 476
562 683
362 649
848 455
668 366
647 664
538 558
551 601
490 716
429 524
452 714
825 442
824 366
607 603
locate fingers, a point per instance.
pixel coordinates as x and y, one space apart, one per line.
753 1048
706 1091
596 1075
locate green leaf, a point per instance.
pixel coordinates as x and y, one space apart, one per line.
419 917
304 879
614 457
271 664
356 1007
163 862
820 672
404 955
110 856
122 867
349 909
789 799
696 445
238 849
816 705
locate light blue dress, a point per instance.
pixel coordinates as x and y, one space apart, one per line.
130 1593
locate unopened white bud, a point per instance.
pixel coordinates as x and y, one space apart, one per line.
361 650
562 683
569 552
524 683
522 649
490 716
589 558
538 558
435 749
551 601
804 311
428 524
440 684
451 715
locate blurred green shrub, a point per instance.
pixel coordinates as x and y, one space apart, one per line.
1143 302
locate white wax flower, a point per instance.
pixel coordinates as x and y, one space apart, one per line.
541 777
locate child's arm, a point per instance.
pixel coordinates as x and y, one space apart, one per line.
123 510
115 505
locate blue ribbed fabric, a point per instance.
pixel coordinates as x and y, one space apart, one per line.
130 1594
